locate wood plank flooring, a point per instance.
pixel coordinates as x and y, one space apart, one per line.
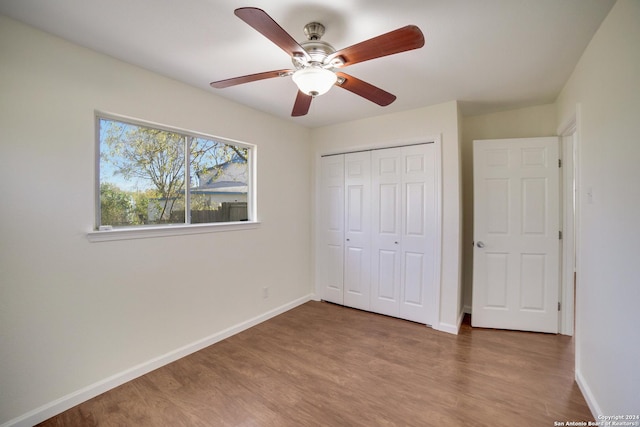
325 365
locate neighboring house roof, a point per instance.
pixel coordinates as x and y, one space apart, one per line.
227 178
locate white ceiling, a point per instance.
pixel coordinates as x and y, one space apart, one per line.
490 55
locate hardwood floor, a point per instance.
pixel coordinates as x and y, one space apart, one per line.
325 365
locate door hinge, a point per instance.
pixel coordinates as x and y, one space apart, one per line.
559 306
560 234
559 163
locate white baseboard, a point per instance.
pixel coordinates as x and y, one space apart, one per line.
588 396
449 328
51 409
467 309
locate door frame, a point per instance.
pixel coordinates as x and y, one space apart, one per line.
437 142
570 223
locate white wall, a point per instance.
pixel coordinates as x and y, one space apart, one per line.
520 123
73 313
606 84
420 124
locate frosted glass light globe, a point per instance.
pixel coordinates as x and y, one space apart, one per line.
314 81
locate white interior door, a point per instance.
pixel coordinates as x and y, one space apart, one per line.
357 249
516 232
331 251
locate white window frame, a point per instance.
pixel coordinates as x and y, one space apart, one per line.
101 234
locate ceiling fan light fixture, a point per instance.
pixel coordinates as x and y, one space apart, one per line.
316 62
314 81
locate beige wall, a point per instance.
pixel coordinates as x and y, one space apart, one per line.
74 313
605 91
521 123
416 125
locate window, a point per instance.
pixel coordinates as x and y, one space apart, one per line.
152 176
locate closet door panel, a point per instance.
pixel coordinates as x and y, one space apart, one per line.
354 277
388 196
413 211
386 276
357 185
355 209
413 285
417 300
331 257
386 231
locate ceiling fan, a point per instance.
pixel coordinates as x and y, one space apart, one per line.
317 63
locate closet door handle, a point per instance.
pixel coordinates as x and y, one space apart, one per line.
395 243
347 240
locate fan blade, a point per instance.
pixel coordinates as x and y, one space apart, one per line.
400 40
249 78
302 104
265 25
365 90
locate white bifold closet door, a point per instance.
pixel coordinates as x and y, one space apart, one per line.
331 236
357 230
404 231
378 231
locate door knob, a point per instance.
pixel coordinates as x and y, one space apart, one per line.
480 245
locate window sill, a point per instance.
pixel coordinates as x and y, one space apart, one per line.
167 230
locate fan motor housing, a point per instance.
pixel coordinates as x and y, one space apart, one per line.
318 50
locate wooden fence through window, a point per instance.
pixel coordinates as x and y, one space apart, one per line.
228 212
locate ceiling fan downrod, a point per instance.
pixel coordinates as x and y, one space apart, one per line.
314 31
